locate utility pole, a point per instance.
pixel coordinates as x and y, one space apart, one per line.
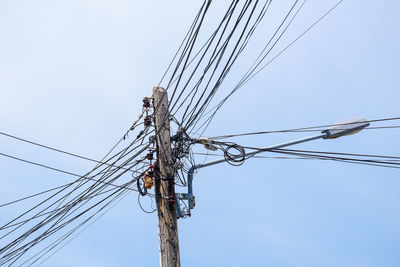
165 183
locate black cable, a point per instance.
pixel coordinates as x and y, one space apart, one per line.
183 41
26 247
67 195
317 154
206 44
52 211
226 18
348 160
207 5
270 157
219 54
226 67
61 239
71 232
341 153
252 68
142 191
54 169
36 228
52 148
309 129
281 52
91 189
295 40
190 40
34 195
58 193
257 157
143 209
235 159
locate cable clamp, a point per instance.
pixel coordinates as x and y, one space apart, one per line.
207 143
204 140
210 147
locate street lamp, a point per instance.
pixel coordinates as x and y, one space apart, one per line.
342 128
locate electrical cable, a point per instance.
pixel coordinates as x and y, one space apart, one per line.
52 148
117 189
308 129
54 169
287 16
217 107
226 67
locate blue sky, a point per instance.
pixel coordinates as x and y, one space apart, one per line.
72 76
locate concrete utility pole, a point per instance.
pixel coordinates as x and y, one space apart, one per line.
165 183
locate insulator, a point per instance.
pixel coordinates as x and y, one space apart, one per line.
147 121
149 156
140 134
146 102
171 198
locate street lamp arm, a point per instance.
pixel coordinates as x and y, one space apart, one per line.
346 127
250 154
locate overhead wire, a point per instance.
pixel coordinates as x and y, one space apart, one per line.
109 173
226 18
54 169
271 40
59 219
335 156
47 199
241 84
18 253
198 108
310 129
77 227
180 46
25 246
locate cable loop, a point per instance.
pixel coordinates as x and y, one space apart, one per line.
235 159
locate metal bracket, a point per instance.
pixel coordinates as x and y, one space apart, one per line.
186 196
189 197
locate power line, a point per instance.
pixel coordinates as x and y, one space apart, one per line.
348 160
17 253
237 50
52 148
72 231
86 194
243 82
34 195
341 153
295 40
308 129
56 169
257 156
320 155
126 185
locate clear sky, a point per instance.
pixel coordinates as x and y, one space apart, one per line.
72 76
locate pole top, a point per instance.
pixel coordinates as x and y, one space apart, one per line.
158 88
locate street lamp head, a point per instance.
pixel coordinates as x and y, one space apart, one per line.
345 127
